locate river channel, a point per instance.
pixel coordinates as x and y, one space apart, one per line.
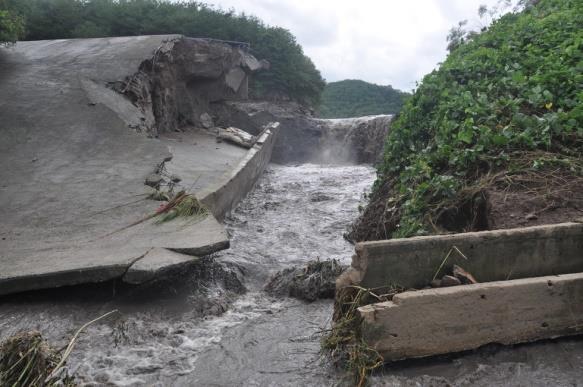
295 214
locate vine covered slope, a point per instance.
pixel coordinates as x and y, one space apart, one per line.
491 139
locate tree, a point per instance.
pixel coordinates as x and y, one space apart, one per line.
292 74
11 24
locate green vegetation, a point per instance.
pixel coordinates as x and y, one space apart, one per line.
292 73
505 108
355 98
11 24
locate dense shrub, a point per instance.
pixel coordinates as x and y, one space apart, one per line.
509 98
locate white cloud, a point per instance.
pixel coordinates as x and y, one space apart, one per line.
379 41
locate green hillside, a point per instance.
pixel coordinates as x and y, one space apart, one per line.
354 98
292 73
496 131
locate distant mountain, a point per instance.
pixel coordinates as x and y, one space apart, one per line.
354 98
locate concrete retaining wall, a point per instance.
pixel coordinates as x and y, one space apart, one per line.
491 256
531 288
443 320
224 195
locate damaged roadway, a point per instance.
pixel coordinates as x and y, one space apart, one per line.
73 169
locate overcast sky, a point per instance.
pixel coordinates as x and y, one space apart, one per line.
388 42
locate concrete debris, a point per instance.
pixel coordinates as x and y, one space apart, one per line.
236 136
315 280
437 321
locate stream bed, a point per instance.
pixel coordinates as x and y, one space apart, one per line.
296 213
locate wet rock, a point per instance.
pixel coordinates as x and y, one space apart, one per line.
154 180
320 197
449 280
436 283
175 178
206 121
315 280
465 277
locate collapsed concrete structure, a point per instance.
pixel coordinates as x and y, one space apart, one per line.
531 288
83 123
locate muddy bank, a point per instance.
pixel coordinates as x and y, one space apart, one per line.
504 200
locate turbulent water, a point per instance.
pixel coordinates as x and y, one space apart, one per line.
295 214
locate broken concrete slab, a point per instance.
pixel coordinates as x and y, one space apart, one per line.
438 321
77 170
155 264
106 257
488 255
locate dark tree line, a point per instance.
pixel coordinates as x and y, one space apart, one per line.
354 98
292 75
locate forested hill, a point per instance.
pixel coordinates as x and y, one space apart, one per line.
494 137
355 98
292 73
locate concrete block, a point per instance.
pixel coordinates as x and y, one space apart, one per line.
491 256
155 264
438 321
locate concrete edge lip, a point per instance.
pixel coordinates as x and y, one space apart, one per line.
156 263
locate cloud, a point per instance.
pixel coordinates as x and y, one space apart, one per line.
379 41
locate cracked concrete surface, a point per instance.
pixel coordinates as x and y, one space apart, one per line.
73 171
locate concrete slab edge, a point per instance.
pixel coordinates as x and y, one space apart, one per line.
157 263
235 184
445 320
489 255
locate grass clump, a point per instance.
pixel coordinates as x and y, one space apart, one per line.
27 360
182 205
345 341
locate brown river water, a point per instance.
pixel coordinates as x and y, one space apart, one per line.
295 214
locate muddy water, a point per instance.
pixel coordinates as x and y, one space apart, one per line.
295 214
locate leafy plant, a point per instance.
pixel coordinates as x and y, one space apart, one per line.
509 94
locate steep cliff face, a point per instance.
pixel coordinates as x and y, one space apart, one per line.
303 138
176 85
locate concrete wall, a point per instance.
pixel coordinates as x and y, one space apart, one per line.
443 320
223 196
491 256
